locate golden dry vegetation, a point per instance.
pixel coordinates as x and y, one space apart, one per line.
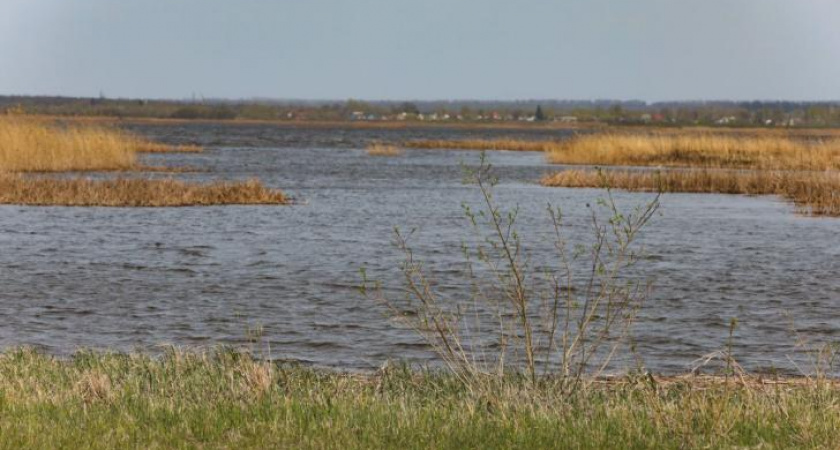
44 191
28 145
800 168
816 193
671 149
32 145
377 149
706 150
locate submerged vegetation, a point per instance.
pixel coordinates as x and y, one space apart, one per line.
484 144
144 146
38 191
227 399
378 149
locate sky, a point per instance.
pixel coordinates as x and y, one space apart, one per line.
651 50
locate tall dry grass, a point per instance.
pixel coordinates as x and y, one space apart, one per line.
33 146
28 145
698 150
770 151
816 193
20 190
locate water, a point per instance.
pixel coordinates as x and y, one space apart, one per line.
128 279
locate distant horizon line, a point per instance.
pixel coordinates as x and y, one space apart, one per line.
199 97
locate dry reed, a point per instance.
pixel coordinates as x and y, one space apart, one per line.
698 150
28 145
31 146
20 190
816 193
378 149
769 151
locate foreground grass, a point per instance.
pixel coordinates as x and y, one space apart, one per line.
229 400
20 190
815 193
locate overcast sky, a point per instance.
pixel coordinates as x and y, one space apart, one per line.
423 49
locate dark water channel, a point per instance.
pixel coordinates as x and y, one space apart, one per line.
129 279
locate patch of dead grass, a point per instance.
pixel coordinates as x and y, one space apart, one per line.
20 190
816 193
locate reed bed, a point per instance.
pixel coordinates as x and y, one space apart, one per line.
815 193
698 150
767 151
28 145
227 399
33 146
377 149
42 191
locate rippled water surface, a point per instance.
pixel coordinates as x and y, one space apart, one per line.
135 278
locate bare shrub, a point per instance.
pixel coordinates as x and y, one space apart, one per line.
562 322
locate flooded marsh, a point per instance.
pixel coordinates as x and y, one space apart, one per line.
127 279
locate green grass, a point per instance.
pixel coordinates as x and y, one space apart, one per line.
227 399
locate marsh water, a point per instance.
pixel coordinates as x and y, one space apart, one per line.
135 279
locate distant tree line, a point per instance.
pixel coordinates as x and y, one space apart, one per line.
635 112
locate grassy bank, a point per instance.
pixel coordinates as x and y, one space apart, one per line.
229 400
816 193
19 190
